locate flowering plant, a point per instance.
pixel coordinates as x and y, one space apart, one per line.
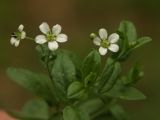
75 90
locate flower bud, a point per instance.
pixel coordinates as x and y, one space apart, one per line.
93 35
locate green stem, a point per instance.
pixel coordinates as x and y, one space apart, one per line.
50 75
29 38
47 64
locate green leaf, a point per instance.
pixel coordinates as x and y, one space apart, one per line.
33 110
63 73
74 57
106 73
38 84
90 79
75 90
118 112
125 92
128 36
132 93
91 105
37 109
76 61
128 40
134 75
72 113
141 41
63 70
91 64
129 30
113 77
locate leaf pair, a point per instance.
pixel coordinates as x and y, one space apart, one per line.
128 40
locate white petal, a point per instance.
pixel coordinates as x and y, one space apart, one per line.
44 28
13 40
113 48
53 45
97 41
20 28
16 44
40 39
23 35
103 33
102 50
56 29
62 38
113 38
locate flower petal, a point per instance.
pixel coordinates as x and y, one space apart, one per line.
16 44
44 28
40 39
20 28
102 50
13 40
53 45
97 41
56 29
62 38
23 35
113 48
103 33
113 38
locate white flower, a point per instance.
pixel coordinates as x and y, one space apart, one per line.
106 42
51 36
18 36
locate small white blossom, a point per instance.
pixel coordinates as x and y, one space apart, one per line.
18 36
106 42
52 36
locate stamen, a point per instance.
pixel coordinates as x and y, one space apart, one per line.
105 43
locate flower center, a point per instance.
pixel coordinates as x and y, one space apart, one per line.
105 43
17 35
50 37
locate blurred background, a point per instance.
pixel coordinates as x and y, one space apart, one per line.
79 18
